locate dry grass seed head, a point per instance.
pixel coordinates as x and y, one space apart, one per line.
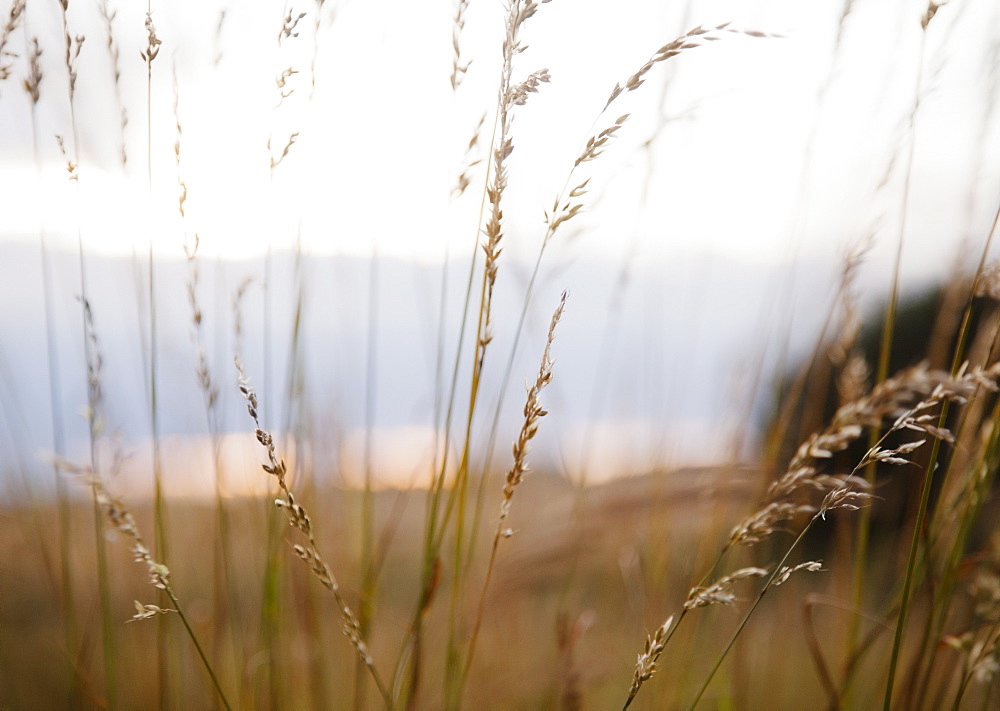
471 160
33 82
812 566
564 208
720 592
145 612
509 96
289 25
458 67
533 412
886 400
932 7
13 20
645 665
108 16
689 40
152 42
121 519
298 518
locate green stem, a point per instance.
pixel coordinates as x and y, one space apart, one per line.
197 646
746 617
911 563
367 562
861 553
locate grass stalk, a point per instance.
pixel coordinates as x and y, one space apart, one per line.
919 532
746 617
509 95
533 412
72 48
121 519
886 344
148 55
978 484
308 553
226 596
430 564
367 557
66 589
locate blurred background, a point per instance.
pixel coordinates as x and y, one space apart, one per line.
705 262
303 185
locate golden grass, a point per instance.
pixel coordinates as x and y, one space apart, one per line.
659 591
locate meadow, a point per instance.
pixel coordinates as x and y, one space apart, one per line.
364 355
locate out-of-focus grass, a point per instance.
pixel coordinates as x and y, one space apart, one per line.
614 554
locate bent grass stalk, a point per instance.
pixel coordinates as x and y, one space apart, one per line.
72 46
299 519
149 55
32 85
864 522
533 412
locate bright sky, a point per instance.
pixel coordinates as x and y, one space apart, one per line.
382 135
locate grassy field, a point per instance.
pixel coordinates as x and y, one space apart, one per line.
840 550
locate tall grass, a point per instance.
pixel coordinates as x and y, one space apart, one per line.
823 573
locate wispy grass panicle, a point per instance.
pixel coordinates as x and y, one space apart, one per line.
852 493
152 50
509 96
721 591
317 25
471 160
890 398
33 82
845 354
299 519
289 25
789 497
458 66
569 200
95 365
94 361
567 204
122 520
285 83
108 16
14 16
645 665
533 413
689 40
152 357
66 588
